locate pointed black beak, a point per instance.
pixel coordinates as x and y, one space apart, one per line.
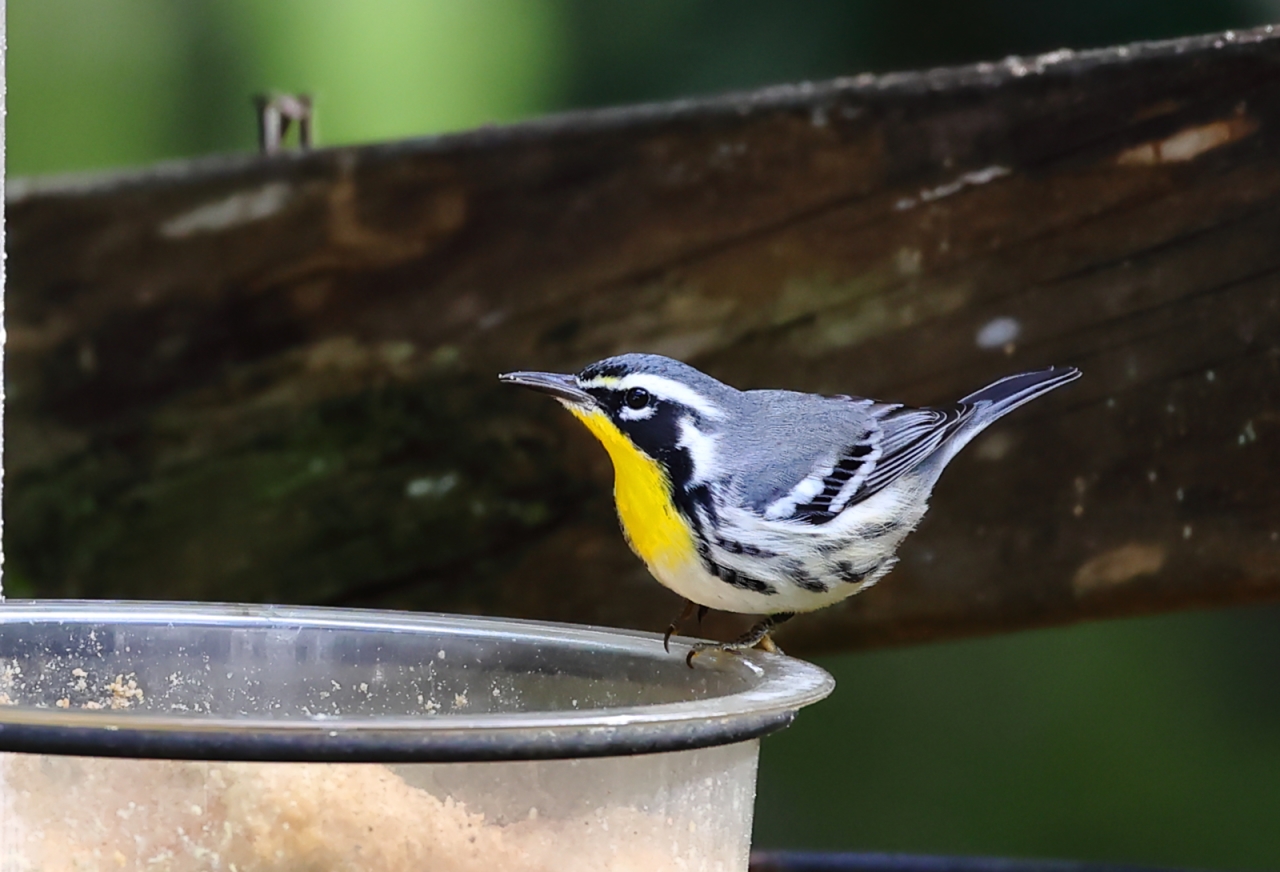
562 387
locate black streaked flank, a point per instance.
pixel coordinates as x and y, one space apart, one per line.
845 571
733 546
883 528
733 578
805 579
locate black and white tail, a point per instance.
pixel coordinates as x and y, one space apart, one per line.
927 439
982 408
1002 397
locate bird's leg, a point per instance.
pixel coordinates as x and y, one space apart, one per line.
685 614
757 635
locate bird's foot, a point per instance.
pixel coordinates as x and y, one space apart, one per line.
756 636
685 614
767 644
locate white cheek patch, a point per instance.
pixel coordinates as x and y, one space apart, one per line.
701 448
666 389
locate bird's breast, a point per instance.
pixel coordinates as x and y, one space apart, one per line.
654 527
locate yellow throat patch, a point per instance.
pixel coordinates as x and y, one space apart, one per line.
654 528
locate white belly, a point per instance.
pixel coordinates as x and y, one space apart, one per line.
694 583
855 541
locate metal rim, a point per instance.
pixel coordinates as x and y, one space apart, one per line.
780 686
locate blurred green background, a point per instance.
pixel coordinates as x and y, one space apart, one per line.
101 83
1153 741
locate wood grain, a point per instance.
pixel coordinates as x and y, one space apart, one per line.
273 379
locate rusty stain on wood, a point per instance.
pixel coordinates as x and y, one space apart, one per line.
273 379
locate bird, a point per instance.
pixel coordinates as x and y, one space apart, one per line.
768 502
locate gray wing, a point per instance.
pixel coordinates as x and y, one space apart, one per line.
900 440
792 442
838 451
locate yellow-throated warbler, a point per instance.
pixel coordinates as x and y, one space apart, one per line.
768 502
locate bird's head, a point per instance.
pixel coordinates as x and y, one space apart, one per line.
666 410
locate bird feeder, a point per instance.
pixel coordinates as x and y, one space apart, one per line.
252 737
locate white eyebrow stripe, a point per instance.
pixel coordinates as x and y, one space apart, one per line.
600 381
668 389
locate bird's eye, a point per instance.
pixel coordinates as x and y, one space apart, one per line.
637 398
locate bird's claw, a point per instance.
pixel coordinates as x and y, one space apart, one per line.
758 636
725 647
765 643
698 647
685 613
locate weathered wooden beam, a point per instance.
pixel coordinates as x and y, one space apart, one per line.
273 379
